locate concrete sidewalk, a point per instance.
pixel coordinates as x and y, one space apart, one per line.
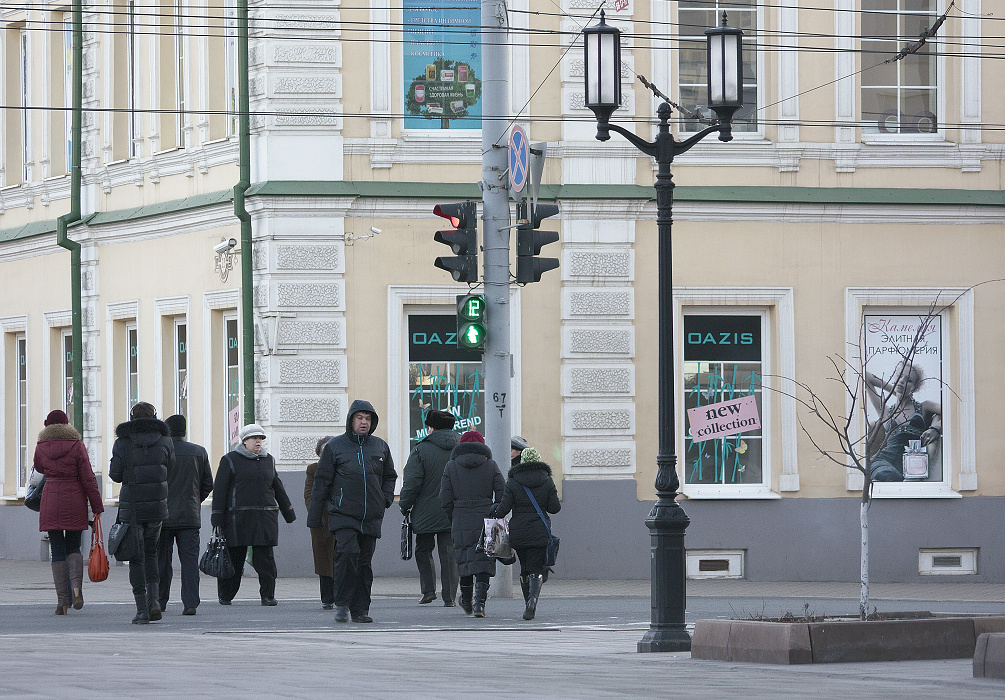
24 581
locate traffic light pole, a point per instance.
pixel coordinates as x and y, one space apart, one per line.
497 360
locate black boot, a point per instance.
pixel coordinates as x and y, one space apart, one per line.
525 587
153 604
142 610
481 594
466 598
533 593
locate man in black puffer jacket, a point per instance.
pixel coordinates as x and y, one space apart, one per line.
142 456
189 483
355 482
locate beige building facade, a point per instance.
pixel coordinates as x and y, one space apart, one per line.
855 198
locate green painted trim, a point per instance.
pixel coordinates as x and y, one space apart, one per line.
782 195
35 228
160 208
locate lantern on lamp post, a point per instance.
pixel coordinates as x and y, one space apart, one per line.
667 520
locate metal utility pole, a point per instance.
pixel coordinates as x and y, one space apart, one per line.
497 360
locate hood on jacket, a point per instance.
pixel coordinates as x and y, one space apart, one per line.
530 474
471 454
357 406
58 431
144 432
444 439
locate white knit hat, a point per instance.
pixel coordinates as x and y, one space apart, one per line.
251 430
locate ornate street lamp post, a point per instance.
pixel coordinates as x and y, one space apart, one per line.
667 520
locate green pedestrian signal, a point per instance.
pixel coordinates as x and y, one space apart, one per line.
471 321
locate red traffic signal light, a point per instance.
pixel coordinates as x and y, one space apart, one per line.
463 265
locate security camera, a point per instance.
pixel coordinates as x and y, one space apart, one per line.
374 230
225 245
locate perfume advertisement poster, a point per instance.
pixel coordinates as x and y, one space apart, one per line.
442 64
904 383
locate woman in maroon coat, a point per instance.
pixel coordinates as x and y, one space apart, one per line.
69 485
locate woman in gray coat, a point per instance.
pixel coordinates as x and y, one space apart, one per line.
471 484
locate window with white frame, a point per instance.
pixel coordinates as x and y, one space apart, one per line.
21 358
232 387
231 66
24 51
68 86
66 364
180 354
134 80
723 361
900 97
179 78
693 18
132 367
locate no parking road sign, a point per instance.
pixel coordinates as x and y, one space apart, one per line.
519 159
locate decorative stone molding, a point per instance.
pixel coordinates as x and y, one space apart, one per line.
309 294
307 54
297 448
599 380
597 302
307 410
312 22
601 420
302 257
310 333
309 371
262 410
309 116
305 85
596 263
598 340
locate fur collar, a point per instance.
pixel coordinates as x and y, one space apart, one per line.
524 467
59 431
142 425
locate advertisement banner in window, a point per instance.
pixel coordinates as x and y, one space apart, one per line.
442 64
903 380
722 367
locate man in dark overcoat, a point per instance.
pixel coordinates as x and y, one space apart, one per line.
420 497
355 483
189 483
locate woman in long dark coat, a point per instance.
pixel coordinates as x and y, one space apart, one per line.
527 532
247 497
322 539
471 484
69 485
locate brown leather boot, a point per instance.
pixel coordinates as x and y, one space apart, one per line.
61 580
76 565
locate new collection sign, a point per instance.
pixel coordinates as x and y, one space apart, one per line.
716 420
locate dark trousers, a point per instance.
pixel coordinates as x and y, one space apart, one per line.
188 555
327 590
63 542
424 543
264 562
531 559
353 570
472 579
143 572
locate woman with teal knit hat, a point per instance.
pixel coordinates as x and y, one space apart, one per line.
527 532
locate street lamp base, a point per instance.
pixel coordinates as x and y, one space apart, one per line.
663 640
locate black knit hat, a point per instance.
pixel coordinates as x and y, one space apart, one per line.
177 425
440 420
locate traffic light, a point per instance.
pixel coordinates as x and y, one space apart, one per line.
463 265
470 321
529 242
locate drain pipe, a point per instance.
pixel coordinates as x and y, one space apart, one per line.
244 165
73 216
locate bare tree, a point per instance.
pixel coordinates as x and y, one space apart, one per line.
884 403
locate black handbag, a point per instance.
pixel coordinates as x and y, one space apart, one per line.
552 554
124 541
406 537
33 494
215 560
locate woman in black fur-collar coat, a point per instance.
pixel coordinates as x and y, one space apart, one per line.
527 532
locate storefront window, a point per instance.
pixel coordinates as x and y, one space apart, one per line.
442 376
722 361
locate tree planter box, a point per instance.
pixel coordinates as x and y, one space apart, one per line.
840 640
